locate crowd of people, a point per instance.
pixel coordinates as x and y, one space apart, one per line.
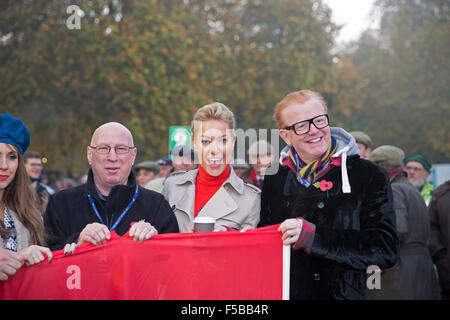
340 203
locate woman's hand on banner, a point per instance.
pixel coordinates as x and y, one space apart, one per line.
35 254
69 248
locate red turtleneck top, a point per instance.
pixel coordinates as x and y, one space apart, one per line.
206 186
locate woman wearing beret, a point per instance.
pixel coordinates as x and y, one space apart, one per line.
213 190
21 225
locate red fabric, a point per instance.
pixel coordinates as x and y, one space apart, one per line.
221 265
395 172
207 186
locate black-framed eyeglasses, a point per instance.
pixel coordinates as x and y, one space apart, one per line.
303 126
105 149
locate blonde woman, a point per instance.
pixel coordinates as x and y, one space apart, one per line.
213 190
21 226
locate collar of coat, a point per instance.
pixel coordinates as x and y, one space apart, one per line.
398 175
191 177
119 194
291 185
334 162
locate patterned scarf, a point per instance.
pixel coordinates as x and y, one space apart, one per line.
306 173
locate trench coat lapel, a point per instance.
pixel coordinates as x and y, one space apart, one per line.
186 202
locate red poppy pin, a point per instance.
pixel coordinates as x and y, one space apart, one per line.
325 185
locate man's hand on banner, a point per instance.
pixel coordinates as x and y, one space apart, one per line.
291 229
35 254
142 230
94 233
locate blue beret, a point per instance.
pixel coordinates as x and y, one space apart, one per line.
13 131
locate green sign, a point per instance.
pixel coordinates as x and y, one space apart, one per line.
179 136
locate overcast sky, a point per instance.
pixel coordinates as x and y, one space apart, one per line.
353 14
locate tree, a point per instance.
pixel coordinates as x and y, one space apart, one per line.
151 64
405 66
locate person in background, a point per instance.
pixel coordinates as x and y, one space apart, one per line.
413 276
260 156
335 208
82 179
111 200
67 183
34 166
213 190
145 172
419 169
240 167
22 236
439 212
364 143
284 154
165 167
184 159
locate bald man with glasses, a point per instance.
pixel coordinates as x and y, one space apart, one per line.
111 200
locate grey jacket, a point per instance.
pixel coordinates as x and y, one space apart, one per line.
235 205
413 276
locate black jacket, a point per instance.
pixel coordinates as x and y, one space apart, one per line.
69 211
353 230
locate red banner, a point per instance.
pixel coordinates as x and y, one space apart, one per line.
199 266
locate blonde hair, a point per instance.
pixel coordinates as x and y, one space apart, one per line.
298 97
214 111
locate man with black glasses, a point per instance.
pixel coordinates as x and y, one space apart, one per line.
335 208
110 201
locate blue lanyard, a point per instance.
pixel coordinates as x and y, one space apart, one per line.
91 201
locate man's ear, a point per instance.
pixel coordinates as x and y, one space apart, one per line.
89 154
134 154
285 136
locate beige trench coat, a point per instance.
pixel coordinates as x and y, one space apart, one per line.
235 205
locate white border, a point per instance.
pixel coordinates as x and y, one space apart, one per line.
286 271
